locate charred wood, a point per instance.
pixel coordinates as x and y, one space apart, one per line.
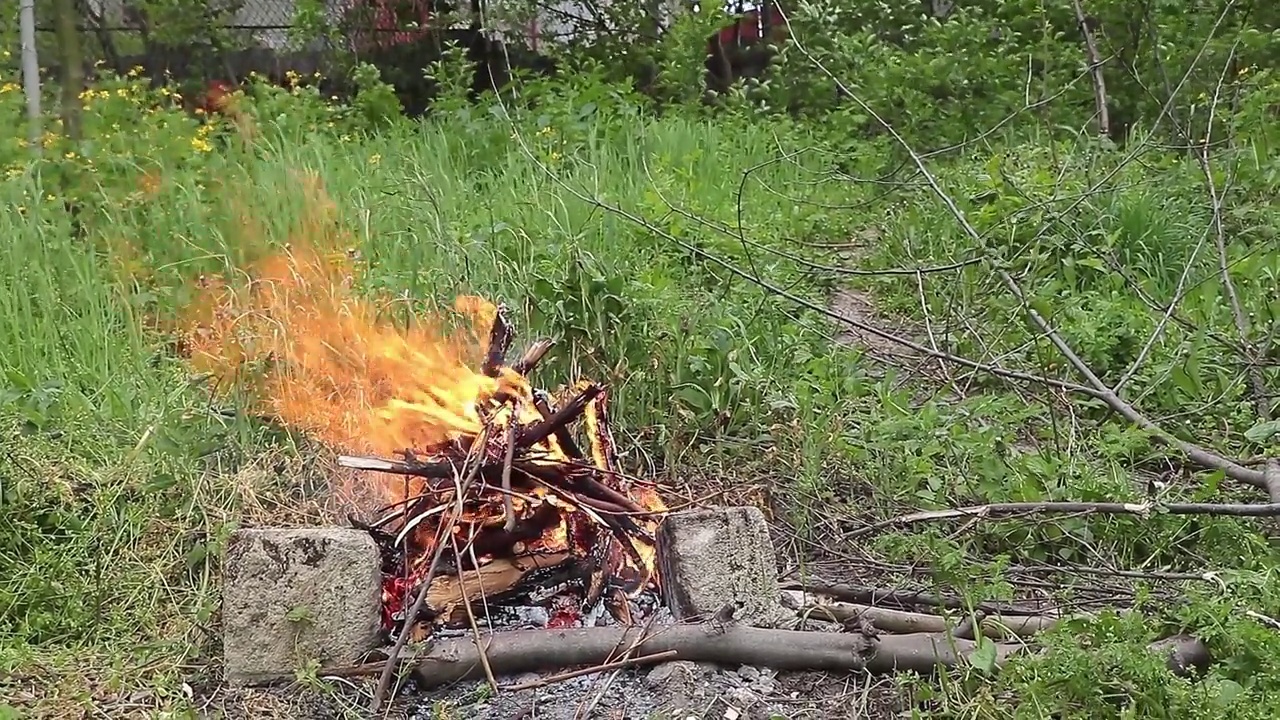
571 411
500 338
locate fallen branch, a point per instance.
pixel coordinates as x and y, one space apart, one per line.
520 651
996 627
523 651
902 598
1071 508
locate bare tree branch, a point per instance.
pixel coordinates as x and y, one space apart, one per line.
1097 388
995 510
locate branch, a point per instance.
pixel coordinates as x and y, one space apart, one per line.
996 627
1069 508
1253 367
521 651
903 598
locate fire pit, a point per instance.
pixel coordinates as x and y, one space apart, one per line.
505 508
489 501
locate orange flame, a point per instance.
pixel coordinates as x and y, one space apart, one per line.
321 359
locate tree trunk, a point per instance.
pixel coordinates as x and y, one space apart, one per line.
70 54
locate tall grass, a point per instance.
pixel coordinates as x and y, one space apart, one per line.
122 467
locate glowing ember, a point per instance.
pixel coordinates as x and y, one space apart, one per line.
319 358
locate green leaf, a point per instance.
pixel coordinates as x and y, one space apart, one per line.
984 657
1262 432
1228 692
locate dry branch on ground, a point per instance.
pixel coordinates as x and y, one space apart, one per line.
521 651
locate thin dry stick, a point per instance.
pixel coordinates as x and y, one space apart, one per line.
471 618
476 457
629 662
507 505
1095 69
585 712
933 342
1101 508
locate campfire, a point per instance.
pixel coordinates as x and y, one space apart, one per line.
509 504
485 490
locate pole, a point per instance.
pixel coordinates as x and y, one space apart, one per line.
30 70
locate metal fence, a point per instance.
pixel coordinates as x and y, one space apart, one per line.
292 25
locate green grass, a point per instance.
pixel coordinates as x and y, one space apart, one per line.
122 473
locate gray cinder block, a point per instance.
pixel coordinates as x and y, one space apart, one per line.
716 557
291 596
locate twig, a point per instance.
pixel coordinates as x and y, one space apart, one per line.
1095 69
471 618
1087 508
507 505
585 711
628 662
901 598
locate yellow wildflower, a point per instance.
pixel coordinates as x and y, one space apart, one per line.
8 87
200 144
374 159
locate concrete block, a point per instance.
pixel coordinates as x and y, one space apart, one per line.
290 596
710 558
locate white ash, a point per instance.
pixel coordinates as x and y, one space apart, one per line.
675 690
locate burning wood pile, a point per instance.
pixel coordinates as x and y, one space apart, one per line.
495 496
510 506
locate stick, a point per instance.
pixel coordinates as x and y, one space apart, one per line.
471 618
432 470
507 505
1088 508
563 437
902 598
500 337
533 355
629 662
519 651
560 418
997 627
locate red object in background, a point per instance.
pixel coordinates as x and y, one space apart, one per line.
747 29
392 22
216 97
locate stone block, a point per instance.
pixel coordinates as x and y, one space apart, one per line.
290 596
711 558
